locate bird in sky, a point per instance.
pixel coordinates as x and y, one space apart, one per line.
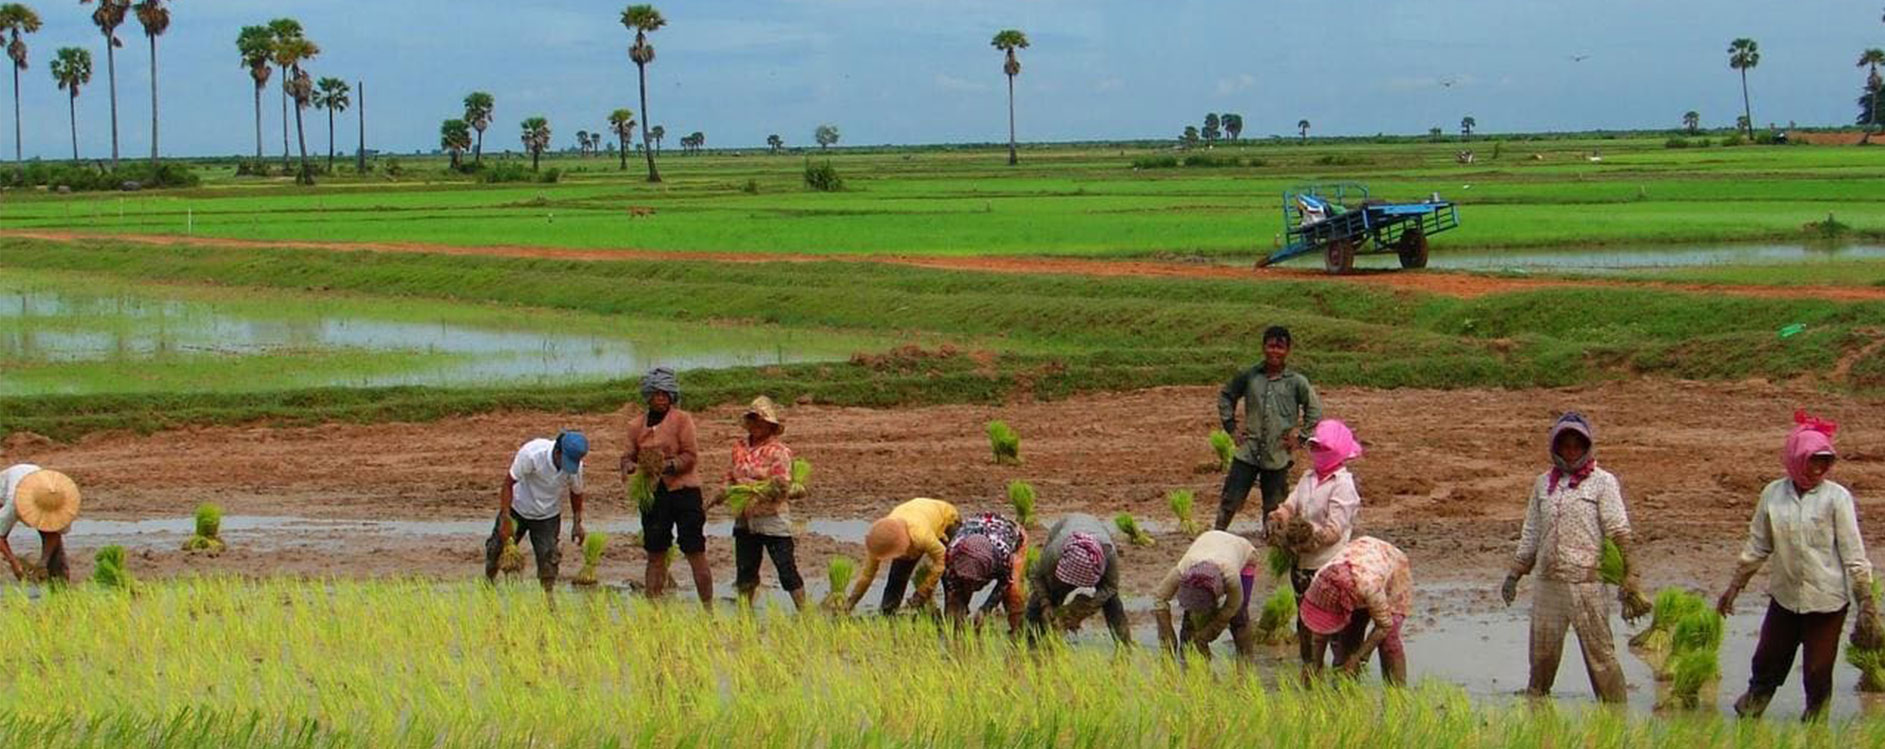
1579 58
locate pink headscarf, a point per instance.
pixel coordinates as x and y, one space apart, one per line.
1811 435
1331 447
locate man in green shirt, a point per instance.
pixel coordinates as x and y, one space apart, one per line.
1279 404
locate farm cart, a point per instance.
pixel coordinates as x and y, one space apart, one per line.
1339 221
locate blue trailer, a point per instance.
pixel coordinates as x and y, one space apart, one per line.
1339 221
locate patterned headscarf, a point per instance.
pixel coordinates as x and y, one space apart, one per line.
660 379
1082 561
1811 436
1571 474
971 557
1199 587
1330 599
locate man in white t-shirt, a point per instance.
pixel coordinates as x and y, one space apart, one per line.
532 502
46 501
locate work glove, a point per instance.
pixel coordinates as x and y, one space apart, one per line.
1630 593
1508 592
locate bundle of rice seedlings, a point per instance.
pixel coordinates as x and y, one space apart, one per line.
1693 670
1005 443
510 559
739 496
1130 526
801 477
641 490
838 572
209 524
1694 655
108 569
1869 661
1029 564
1181 501
1277 625
1670 606
1021 496
1611 569
1224 447
1281 562
1070 615
593 546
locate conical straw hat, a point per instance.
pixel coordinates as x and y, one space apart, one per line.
47 500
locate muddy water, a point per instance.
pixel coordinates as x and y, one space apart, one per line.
264 532
1619 259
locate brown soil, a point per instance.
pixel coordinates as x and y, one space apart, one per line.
1851 138
1433 282
1445 475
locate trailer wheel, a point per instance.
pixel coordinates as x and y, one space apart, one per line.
1413 249
1339 257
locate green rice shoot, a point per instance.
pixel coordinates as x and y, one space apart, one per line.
1611 569
1694 654
801 477
1281 562
641 491
1224 447
1005 443
593 547
1277 625
838 574
209 523
1869 661
741 496
1129 526
1181 501
108 569
1021 497
1693 670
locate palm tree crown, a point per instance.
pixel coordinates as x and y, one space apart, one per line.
1009 40
72 68
643 19
17 19
1743 55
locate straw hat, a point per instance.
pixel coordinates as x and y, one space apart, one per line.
47 500
888 538
765 410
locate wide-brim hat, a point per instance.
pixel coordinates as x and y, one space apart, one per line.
47 501
763 409
888 538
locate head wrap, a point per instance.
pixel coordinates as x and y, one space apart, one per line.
660 379
1811 436
971 557
1562 470
1330 599
888 538
1332 446
1199 586
1082 561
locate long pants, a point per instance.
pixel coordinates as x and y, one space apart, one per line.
895 582
747 547
1344 642
1237 484
1783 632
1558 607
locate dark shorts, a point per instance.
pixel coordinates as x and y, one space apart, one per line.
747 548
542 535
676 515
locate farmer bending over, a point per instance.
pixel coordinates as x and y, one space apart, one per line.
1573 508
762 526
987 548
48 502
915 530
1079 553
1319 518
661 444
532 502
1278 405
1370 581
1212 583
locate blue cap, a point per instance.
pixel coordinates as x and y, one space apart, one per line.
573 446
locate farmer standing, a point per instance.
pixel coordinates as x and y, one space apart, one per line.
986 548
1574 507
762 526
1079 553
1212 583
48 502
1370 581
1279 404
531 502
1318 519
1807 525
662 444
916 530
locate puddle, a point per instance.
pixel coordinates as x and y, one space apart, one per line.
1617 259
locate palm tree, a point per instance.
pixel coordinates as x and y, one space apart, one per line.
455 137
155 18
479 106
108 16
1009 40
254 44
536 137
1745 54
659 134
1302 130
286 32
700 141
72 68
1467 124
582 142
1691 121
1233 125
332 94
775 142
1870 60
622 123
17 19
300 86
642 19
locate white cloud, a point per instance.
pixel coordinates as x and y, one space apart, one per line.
1234 84
948 82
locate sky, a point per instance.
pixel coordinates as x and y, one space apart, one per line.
922 71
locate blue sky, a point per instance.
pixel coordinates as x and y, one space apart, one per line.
921 71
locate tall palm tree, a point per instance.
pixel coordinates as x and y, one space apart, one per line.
1009 40
1745 54
155 18
775 142
479 106
333 95
536 137
643 19
1691 121
1233 124
1870 60
300 86
1302 130
1467 124
17 19
108 16
287 33
455 138
582 142
659 133
72 68
622 123
254 44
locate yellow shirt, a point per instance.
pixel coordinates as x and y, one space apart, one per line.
929 521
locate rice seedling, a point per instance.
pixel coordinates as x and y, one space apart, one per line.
1280 561
593 547
801 477
739 496
838 574
1670 606
641 491
1694 655
1610 568
209 524
1869 661
1181 501
1277 625
108 569
510 559
1130 526
1021 497
1005 443
1224 447
1071 615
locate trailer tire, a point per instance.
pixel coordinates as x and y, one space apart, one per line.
1413 249
1338 257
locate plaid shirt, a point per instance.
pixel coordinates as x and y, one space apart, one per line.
761 463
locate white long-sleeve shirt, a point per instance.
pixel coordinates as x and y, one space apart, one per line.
1813 542
1330 507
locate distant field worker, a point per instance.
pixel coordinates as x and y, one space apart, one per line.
985 549
1078 553
46 501
1808 527
1279 405
1212 584
1369 582
531 502
915 531
662 443
1318 519
763 527
1573 507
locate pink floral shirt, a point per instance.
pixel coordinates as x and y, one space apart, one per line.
766 461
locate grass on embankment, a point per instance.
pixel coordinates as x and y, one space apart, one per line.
1051 335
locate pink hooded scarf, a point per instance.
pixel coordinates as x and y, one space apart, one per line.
1332 447
1811 435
